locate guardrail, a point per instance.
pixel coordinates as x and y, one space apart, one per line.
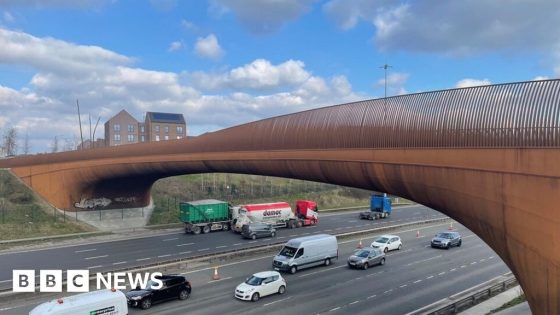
468 298
232 253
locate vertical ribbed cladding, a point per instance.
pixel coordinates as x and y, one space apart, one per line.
371 124
539 118
490 108
498 122
554 119
547 113
530 105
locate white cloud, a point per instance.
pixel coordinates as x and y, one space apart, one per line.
540 78
189 26
263 16
472 82
395 83
208 47
105 82
175 46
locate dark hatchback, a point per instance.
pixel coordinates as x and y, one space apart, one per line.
256 230
174 287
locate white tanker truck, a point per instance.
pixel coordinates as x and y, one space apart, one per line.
279 214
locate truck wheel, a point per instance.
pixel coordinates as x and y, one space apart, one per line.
299 224
291 224
370 217
196 230
273 234
293 269
206 229
146 304
225 227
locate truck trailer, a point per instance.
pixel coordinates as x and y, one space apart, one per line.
206 215
278 214
380 208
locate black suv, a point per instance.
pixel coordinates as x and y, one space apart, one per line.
174 287
255 230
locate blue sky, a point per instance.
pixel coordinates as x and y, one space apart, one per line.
226 62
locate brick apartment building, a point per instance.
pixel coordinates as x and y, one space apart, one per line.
125 129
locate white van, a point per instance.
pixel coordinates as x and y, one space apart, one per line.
102 302
304 252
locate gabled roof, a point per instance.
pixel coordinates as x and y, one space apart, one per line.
169 118
122 112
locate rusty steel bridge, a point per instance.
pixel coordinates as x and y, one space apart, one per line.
489 157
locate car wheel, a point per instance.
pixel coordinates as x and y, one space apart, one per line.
206 229
382 262
460 242
183 295
386 250
281 289
255 297
254 236
327 261
196 230
293 269
273 234
146 304
400 246
366 266
448 246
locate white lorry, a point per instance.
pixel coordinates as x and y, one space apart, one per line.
278 214
101 302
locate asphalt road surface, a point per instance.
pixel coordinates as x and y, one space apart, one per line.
413 277
109 255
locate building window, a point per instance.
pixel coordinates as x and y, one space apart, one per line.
166 137
117 137
142 129
166 128
157 137
156 128
130 128
179 130
143 138
117 127
130 138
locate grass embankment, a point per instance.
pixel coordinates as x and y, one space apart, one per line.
242 189
518 300
23 215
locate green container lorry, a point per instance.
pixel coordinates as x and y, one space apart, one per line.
205 216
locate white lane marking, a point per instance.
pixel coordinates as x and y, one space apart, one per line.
463 266
474 262
6 308
354 302
404 285
322 270
251 242
96 257
203 249
85 250
267 304
236 244
170 239
141 259
352 221
491 257
430 277
279 237
184 253
371 297
339 228
328 230
186 244
305 233
452 269
424 260
119 263
482 260
222 279
161 256
417 281
441 273
93 267
223 246
5 280
334 309
390 290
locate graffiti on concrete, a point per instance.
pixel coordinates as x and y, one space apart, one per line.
125 199
92 203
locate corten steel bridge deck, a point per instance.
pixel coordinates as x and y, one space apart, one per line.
488 157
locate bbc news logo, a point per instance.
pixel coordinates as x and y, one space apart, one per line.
79 280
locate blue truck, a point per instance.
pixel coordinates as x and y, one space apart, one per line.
379 208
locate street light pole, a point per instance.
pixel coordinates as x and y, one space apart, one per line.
385 67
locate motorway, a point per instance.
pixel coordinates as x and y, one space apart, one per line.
110 255
413 277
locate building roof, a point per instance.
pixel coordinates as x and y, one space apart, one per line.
122 112
168 118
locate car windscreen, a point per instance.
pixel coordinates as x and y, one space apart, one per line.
254 280
445 235
150 284
288 251
362 253
382 240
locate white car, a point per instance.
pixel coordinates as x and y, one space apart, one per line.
259 285
386 243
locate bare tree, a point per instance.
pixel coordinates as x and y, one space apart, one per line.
26 146
55 144
10 142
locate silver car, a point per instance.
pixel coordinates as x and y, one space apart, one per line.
447 240
366 257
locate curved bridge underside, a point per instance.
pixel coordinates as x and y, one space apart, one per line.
486 156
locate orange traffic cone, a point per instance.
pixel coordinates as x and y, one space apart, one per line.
450 226
360 245
215 276
418 234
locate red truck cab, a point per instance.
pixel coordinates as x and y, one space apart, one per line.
307 212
